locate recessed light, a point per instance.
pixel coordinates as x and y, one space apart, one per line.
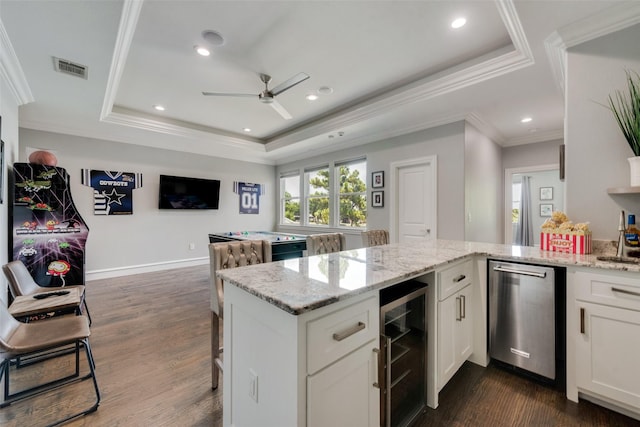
202 50
159 107
526 120
312 97
459 22
247 129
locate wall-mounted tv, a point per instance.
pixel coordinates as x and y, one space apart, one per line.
177 192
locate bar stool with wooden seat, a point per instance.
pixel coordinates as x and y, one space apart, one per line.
375 238
21 284
222 256
325 243
19 339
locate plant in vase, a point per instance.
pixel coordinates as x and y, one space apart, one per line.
626 110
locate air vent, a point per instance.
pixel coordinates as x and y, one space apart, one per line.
68 67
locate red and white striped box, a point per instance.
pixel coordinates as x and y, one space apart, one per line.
570 242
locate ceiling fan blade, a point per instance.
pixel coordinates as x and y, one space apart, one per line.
281 110
245 95
288 84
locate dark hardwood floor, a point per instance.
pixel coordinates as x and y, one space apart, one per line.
150 339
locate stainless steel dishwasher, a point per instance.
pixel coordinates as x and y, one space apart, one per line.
525 317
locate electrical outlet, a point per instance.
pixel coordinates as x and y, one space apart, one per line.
192 246
253 385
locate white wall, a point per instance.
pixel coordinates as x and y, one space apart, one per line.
483 188
151 238
446 142
547 179
9 134
596 152
540 153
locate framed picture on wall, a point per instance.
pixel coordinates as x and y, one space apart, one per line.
546 209
377 199
546 193
377 179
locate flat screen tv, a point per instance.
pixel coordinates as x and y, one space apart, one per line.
177 192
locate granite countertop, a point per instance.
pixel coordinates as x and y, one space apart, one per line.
304 284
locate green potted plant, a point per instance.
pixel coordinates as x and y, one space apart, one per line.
626 110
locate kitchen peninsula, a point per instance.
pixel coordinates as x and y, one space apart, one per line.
284 365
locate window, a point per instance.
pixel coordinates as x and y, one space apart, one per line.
334 195
515 202
352 193
290 199
317 195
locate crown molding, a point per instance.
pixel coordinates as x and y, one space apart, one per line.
11 71
485 128
206 144
535 137
611 20
181 131
126 30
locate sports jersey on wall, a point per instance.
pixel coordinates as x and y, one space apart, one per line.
112 191
249 196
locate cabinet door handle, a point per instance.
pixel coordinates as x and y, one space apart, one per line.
459 309
624 291
339 336
463 313
459 278
376 352
581 320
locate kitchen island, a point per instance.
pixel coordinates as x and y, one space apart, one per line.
282 366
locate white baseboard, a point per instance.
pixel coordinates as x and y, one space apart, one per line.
108 273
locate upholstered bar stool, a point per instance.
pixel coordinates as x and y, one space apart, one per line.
375 238
223 256
325 243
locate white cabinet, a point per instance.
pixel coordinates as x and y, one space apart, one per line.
342 367
603 319
455 320
314 369
343 394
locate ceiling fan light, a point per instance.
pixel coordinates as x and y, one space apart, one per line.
266 99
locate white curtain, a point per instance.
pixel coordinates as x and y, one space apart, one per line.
524 227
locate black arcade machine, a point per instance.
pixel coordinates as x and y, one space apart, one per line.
49 235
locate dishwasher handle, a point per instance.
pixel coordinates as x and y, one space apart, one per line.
521 272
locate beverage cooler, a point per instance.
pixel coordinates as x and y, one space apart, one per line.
403 352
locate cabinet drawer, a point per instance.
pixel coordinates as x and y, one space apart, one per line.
452 279
333 336
617 290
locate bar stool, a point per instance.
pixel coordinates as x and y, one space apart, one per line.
19 340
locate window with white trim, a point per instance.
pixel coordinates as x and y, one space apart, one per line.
290 199
334 195
317 185
352 193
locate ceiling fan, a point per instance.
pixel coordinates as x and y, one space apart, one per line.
267 96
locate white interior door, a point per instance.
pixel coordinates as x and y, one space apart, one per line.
415 190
